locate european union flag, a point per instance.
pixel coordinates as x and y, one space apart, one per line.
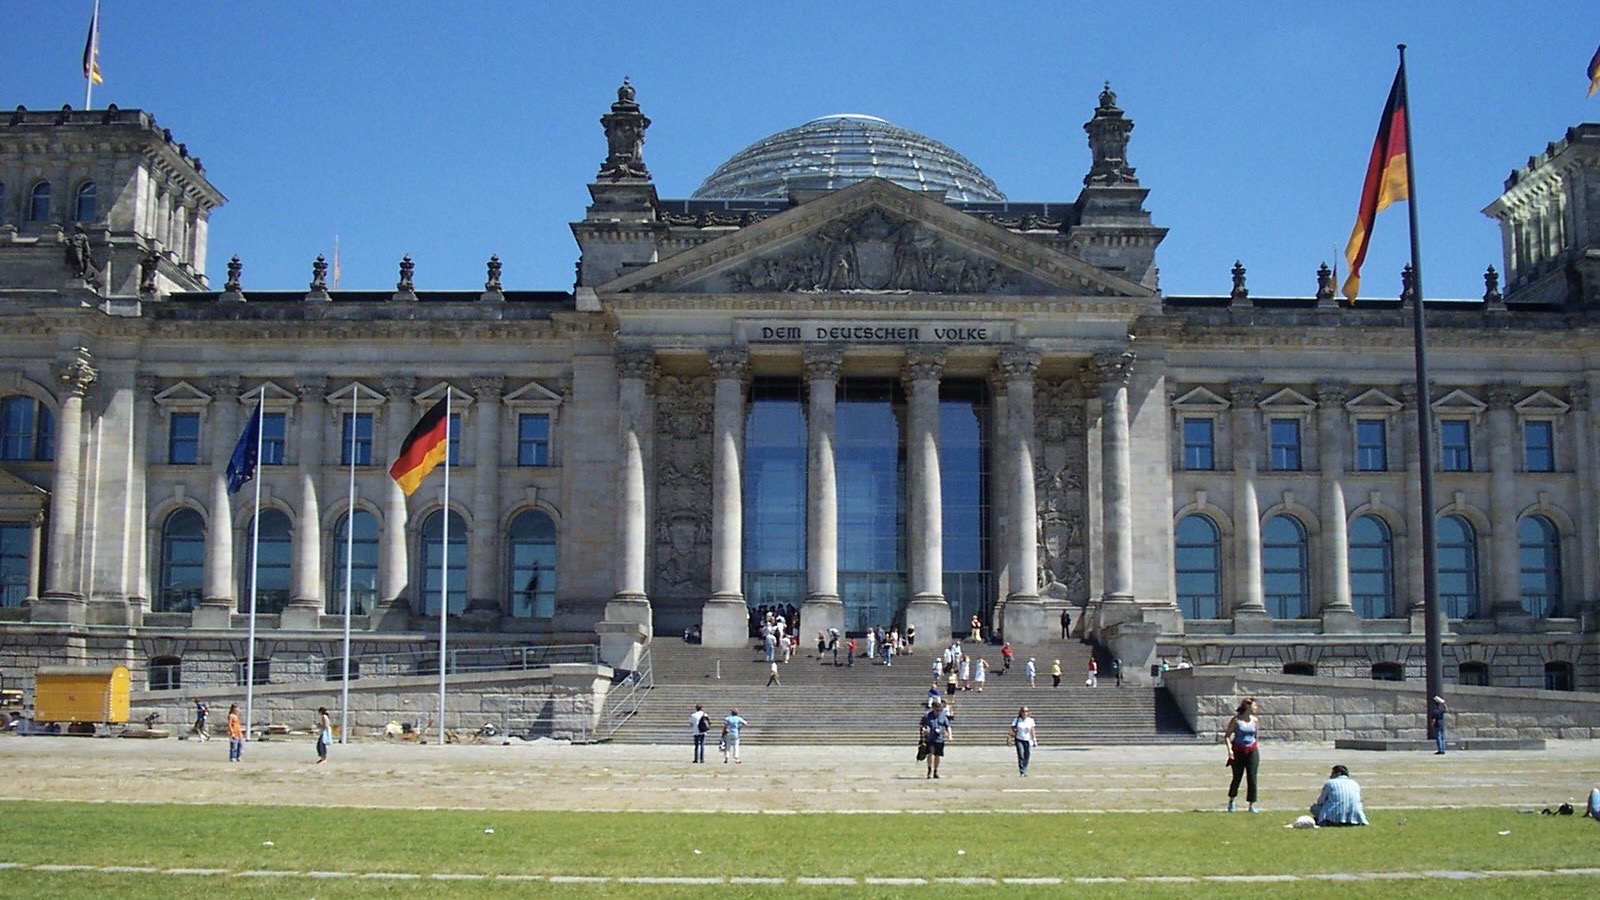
242 466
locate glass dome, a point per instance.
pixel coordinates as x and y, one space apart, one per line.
836 151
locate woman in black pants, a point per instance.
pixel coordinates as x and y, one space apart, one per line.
1243 737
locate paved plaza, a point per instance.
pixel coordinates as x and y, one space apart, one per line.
979 774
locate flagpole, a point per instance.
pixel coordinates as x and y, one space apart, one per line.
94 57
349 566
1432 613
444 564
255 568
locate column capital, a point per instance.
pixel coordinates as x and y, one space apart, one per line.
311 388
1408 394
225 387
823 363
1109 369
1332 393
729 362
1581 397
1245 393
1501 394
922 364
75 371
399 387
637 364
1018 364
146 385
487 388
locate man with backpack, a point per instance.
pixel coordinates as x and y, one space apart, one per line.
699 725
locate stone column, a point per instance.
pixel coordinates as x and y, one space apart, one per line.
398 415
307 594
1023 621
1584 465
1337 613
724 619
63 600
1250 612
1112 371
1505 567
627 626
927 610
218 601
822 608
485 596
145 437
1413 561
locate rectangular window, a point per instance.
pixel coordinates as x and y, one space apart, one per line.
273 426
1199 445
1455 445
1372 445
455 439
533 440
1538 446
183 439
357 439
1285 436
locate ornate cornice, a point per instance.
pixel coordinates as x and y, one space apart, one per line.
1111 368
636 364
1018 364
76 372
922 364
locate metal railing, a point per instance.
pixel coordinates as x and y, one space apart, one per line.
627 695
296 668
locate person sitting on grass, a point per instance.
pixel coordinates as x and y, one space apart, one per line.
1340 800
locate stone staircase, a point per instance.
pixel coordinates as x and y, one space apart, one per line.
873 704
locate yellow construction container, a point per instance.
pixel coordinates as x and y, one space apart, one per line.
80 694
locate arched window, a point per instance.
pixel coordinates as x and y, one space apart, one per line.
27 430
272 574
1371 568
1285 575
533 566
1299 668
1558 676
1540 556
39 203
1473 673
83 204
16 562
363 565
1458 567
166 673
1198 563
183 560
432 533
1388 671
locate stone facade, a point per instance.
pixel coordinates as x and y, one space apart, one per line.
1226 479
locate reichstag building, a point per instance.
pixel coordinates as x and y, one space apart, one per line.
846 374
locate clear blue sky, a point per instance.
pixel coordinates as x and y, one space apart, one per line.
451 131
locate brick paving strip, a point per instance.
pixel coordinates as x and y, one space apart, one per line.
815 881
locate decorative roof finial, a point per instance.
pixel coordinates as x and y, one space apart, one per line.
1491 286
1108 141
625 126
1239 292
1324 282
235 268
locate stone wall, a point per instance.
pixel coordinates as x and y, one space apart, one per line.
1299 708
563 701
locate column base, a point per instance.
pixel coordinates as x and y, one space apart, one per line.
300 617
1116 609
931 616
1251 621
725 622
1023 620
625 631
1134 643
390 615
213 612
481 615
820 612
1340 620
58 607
1513 620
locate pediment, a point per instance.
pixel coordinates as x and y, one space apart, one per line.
182 394
1459 401
1374 401
1288 400
18 495
355 395
459 399
1201 399
533 394
1542 403
876 237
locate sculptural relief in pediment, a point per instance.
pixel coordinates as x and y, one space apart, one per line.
874 250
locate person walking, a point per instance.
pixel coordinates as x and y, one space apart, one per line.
324 734
1025 735
977 629
699 725
1005 657
872 643
1243 736
1436 711
1066 623
980 674
235 734
732 725
1030 671
935 731
202 716
1094 674
1055 673
850 653
772 679
1116 671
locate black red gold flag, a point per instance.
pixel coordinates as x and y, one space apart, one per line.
1385 183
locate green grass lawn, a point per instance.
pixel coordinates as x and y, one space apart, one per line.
620 845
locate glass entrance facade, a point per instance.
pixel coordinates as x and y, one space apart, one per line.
775 495
964 487
870 459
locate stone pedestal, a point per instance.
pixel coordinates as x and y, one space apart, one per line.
390 615
1023 621
300 617
725 623
1135 644
820 614
1251 621
1513 621
1340 620
211 614
625 631
931 617
480 615
58 608
1116 610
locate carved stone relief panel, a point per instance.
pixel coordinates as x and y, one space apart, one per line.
1060 464
682 516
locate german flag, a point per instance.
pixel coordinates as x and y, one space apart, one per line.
91 48
424 448
1386 180
1594 72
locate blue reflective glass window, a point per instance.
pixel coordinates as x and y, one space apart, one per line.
1371 553
964 491
1372 445
869 464
1198 564
1539 446
357 439
183 439
1539 553
532 540
1199 445
1285 573
362 547
83 206
775 494
1285 438
16 542
183 560
27 430
533 439
432 536
39 203
273 438
1455 445
275 560
1458 567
